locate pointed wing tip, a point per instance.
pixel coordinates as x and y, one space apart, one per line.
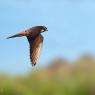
33 65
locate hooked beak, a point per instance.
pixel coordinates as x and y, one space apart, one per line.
18 35
46 29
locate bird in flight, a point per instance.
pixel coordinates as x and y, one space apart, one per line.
35 40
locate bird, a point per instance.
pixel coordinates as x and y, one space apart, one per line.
35 40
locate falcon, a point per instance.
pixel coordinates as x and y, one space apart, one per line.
35 40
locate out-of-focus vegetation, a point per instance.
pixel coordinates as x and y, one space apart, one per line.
59 78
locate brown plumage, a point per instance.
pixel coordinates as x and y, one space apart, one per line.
35 47
35 40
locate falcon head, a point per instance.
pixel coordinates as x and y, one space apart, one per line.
43 29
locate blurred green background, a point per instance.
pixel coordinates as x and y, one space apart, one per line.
61 77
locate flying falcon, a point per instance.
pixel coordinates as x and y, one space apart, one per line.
35 40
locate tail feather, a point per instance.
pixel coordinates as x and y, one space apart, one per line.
17 35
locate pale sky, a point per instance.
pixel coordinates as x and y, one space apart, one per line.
71 25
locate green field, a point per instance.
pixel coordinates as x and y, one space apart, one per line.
59 78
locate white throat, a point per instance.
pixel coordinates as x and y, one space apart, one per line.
42 30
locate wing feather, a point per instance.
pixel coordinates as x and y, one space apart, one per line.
35 48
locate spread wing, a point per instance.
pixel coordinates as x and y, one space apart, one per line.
35 48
